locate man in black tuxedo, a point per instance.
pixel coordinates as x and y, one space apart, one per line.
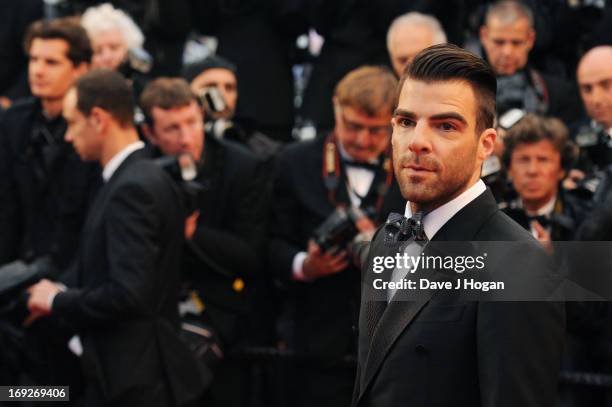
537 154
224 238
125 303
349 167
436 350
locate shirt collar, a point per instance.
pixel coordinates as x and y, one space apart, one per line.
546 210
346 156
596 125
434 220
114 163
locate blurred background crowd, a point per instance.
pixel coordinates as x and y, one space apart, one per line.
285 105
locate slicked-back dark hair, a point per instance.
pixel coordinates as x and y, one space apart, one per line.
108 90
448 62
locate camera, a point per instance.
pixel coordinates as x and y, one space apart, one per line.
339 229
183 170
212 100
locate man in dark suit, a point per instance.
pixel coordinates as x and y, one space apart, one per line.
44 186
224 237
537 154
349 167
439 350
507 38
45 189
125 300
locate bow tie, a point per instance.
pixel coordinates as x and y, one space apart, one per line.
399 228
360 164
543 220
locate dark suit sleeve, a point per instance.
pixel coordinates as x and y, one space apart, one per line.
132 229
10 229
519 349
520 344
285 223
237 246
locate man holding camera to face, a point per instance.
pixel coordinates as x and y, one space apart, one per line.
224 236
346 173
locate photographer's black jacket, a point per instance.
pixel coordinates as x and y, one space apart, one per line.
325 309
44 191
230 233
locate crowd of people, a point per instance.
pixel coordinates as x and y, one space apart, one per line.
180 231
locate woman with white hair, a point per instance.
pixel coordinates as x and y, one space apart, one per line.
112 33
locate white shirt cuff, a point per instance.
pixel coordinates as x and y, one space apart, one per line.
298 264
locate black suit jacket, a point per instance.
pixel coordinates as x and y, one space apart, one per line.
41 212
445 353
126 300
232 226
325 309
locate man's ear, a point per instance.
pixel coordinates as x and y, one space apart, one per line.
100 119
531 37
487 143
484 34
81 69
149 133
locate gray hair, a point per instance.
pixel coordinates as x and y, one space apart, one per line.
417 19
105 17
509 11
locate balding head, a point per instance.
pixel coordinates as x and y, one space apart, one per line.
594 77
409 34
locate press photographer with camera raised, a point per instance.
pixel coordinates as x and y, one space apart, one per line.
507 37
348 169
215 81
117 43
224 246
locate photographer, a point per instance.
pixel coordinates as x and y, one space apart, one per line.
507 37
117 43
594 76
537 155
347 168
214 80
224 237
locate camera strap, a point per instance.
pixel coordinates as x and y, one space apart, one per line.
332 173
541 90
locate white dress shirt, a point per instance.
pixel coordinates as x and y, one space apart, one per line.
114 163
432 223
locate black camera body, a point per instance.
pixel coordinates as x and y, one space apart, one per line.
339 229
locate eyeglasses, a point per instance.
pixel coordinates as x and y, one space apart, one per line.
357 128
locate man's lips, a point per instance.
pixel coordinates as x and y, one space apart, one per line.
417 168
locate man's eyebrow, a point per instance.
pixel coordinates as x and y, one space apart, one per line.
439 116
402 112
449 115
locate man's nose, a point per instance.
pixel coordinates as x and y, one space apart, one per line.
420 141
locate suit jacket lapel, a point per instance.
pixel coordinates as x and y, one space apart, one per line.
400 313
